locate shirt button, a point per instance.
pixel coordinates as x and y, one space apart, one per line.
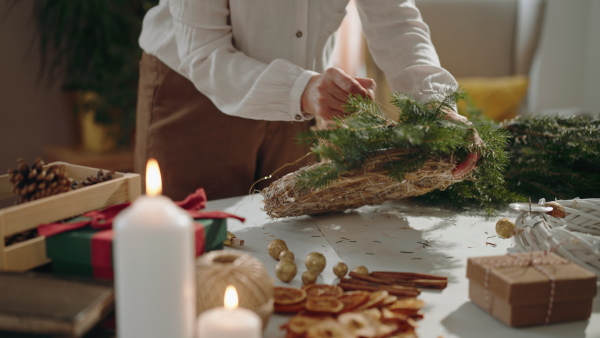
299 34
298 117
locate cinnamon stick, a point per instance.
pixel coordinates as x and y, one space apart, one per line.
396 291
406 275
376 280
364 282
430 283
383 279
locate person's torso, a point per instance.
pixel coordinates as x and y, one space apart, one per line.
300 31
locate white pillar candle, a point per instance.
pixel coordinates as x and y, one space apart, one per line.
229 321
154 266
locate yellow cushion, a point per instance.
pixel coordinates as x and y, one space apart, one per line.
499 98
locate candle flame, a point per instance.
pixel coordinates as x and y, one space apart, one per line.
153 182
231 298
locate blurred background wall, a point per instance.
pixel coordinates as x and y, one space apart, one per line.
32 113
565 75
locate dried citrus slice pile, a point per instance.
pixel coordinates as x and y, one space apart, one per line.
326 311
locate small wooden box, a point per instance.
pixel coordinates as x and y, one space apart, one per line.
31 253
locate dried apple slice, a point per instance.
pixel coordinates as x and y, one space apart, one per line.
390 299
407 306
375 299
300 324
389 315
358 324
328 328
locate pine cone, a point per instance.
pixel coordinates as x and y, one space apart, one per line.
32 183
94 179
20 237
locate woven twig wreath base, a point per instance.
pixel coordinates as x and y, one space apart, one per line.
368 186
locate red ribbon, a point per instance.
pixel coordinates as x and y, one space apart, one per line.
103 219
102 256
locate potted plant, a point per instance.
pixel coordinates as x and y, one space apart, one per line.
93 46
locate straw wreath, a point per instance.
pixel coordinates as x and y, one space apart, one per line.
367 186
366 158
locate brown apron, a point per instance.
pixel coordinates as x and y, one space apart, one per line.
197 146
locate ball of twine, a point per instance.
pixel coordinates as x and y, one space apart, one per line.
367 186
216 270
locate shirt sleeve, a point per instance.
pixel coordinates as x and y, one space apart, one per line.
237 84
401 46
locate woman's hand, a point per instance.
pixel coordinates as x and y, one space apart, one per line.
327 93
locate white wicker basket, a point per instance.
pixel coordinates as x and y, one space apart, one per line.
582 215
575 237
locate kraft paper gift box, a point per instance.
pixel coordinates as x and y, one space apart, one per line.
531 288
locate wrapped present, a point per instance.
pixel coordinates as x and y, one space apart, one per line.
531 288
88 251
83 245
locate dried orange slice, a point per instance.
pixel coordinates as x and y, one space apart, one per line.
286 296
289 308
353 299
324 304
318 290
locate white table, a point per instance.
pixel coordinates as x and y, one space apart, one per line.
396 237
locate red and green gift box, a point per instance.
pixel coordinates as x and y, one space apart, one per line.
84 245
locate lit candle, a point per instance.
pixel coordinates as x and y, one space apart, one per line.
230 321
154 266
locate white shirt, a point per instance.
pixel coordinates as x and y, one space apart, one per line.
253 58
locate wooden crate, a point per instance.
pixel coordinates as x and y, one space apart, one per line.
31 253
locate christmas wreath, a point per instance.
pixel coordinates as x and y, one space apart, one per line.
366 159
